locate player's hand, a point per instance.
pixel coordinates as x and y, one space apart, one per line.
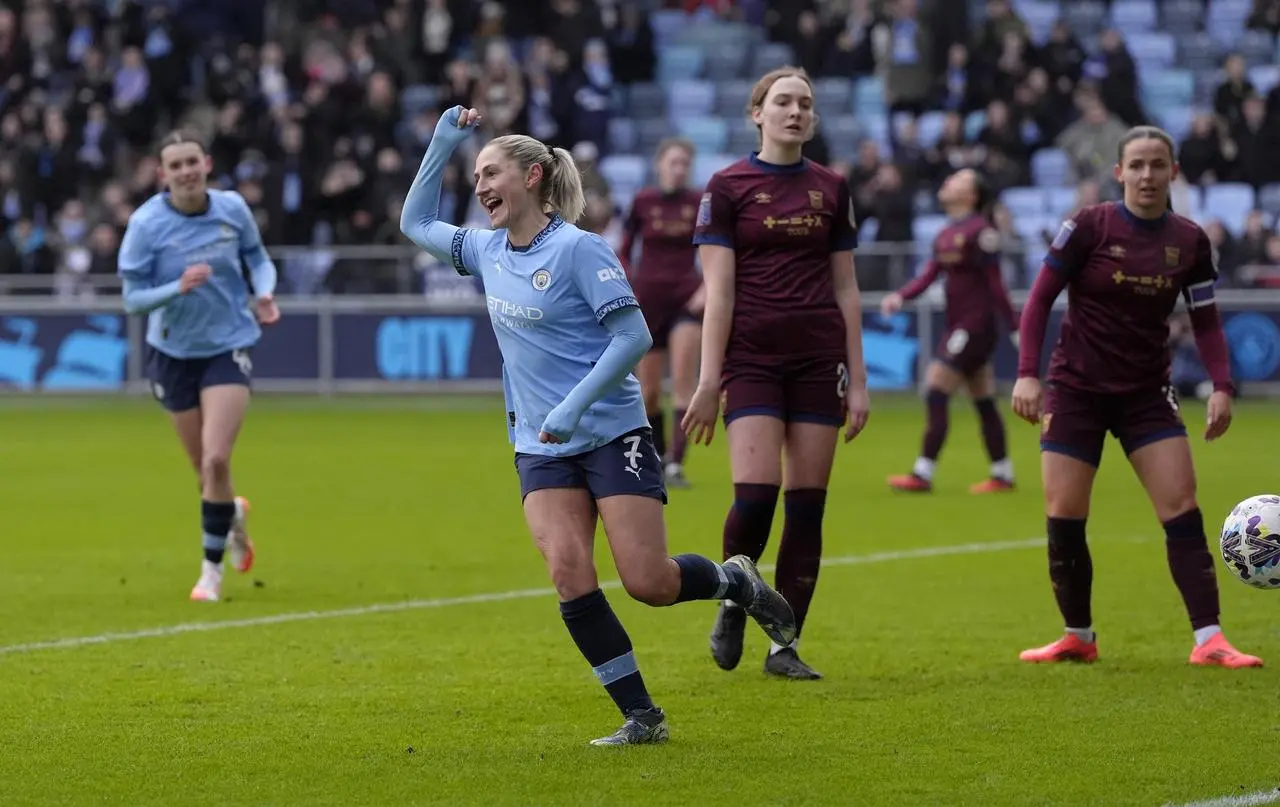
700 419
1218 416
267 310
1028 399
559 426
193 277
457 121
697 302
891 304
858 403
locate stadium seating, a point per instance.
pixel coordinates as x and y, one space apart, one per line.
705 71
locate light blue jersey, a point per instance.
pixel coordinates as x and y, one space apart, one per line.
158 246
566 319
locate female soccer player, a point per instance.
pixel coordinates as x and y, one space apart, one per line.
669 289
1124 265
181 260
968 252
571 332
782 341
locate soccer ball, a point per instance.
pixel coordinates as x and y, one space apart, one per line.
1251 541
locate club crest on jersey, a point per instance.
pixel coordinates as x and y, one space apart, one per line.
541 279
1172 256
815 200
704 211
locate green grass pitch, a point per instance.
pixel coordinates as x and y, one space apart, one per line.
364 502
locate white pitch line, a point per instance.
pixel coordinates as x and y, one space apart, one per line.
1248 800
473 599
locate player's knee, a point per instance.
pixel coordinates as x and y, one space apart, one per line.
215 466
1066 502
651 586
572 575
1176 502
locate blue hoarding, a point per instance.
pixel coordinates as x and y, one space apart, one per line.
65 349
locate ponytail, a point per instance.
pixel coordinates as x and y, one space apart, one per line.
984 199
563 186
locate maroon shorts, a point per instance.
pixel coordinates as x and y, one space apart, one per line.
967 351
1076 422
662 313
803 390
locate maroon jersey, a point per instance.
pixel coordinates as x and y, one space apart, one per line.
783 224
1123 277
663 224
968 253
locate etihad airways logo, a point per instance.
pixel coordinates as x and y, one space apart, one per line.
513 315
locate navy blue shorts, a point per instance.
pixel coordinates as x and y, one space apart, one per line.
628 466
177 383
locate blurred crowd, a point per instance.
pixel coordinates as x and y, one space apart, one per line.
318 111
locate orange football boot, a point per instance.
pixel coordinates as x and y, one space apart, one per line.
992 485
1069 648
1218 652
910 483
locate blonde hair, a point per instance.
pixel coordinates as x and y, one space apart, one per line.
560 190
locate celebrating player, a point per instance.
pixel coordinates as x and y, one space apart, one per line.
968 252
1124 265
669 289
782 341
182 261
571 332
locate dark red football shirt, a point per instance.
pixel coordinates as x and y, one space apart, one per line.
1123 277
967 252
783 223
662 223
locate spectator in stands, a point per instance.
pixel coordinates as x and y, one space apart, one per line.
1063 57
1092 141
903 44
25 251
1228 100
1226 252
957 92
1265 16
1253 243
1257 159
952 152
861 180
631 50
1114 74
1200 154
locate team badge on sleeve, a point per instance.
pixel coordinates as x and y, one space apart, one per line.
704 211
1064 234
989 240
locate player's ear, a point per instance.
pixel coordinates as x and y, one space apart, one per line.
1177 169
208 163
1118 172
533 177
